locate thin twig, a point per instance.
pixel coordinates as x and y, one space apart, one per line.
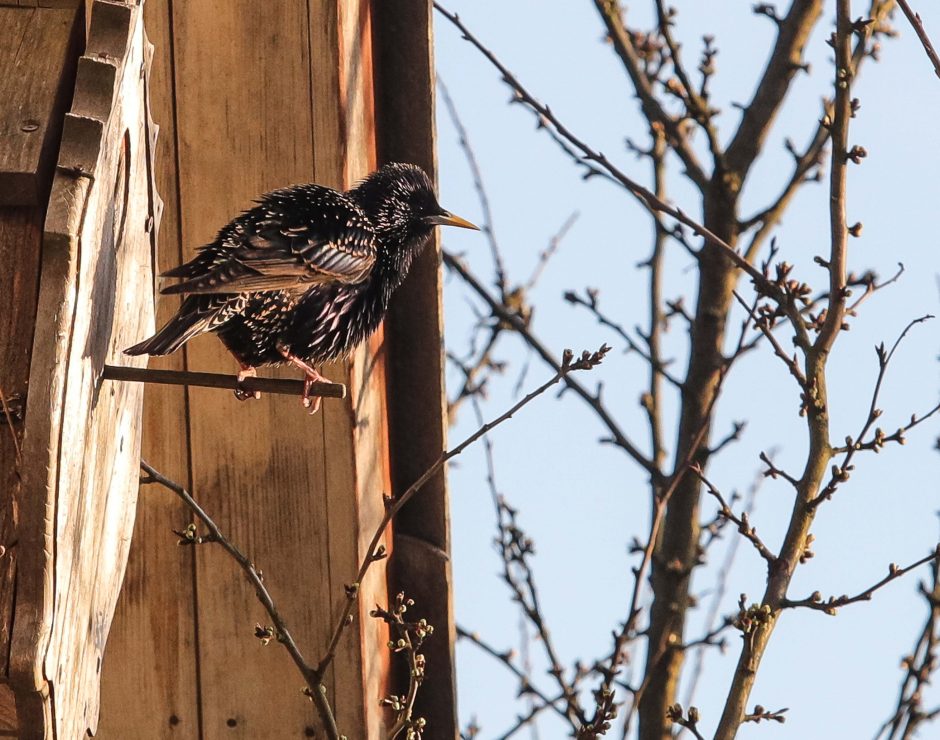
313 677
589 155
652 402
721 588
919 667
591 303
762 323
407 639
918 24
697 104
375 552
524 720
653 110
471 386
617 435
744 526
515 547
505 657
546 254
830 605
842 471
463 139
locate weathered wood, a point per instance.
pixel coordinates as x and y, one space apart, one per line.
9 725
271 499
149 682
37 66
421 563
20 236
354 492
60 4
82 434
286 98
243 128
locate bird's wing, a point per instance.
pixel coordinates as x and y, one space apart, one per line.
294 238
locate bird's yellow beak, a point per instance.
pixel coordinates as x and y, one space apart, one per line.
449 219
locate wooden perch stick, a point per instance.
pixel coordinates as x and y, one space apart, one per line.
218 380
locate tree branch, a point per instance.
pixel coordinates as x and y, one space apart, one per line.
785 60
841 473
830 605
696 103
505 657
375 551
811 157
312 676
918 667
918 24
741 522
618 437
589 156
676 136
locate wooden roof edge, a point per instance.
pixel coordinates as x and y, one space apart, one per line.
420 565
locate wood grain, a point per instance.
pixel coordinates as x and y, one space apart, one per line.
80 447
293 504
149 682
367 380
37 63
285 97
20 239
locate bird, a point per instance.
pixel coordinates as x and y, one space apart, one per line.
306 275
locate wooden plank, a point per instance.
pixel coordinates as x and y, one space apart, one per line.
149 678
247 122
364 665
244 128
37 63
70 4
9 725
417 423
20 236
330 137
82 435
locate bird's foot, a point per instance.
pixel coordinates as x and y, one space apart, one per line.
313 402
243 394
311 376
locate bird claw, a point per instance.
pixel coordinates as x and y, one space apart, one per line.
311 376
243 394
313 402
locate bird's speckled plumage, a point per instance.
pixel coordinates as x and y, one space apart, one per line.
307 274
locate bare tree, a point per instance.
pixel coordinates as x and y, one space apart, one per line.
798 322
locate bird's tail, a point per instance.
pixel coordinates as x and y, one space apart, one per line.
177 331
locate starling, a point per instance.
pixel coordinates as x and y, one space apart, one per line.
307 274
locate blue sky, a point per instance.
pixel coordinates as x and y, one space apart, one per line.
583 502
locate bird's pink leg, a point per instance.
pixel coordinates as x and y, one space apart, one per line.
312 375
247 371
